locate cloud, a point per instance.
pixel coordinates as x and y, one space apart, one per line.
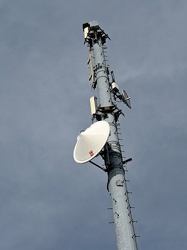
49 201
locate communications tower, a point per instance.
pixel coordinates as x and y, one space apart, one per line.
102 137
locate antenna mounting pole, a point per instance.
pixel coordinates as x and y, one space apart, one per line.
107 109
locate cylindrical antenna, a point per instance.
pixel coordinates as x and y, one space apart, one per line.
108 111
112 75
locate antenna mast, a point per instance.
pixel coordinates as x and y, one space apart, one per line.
104 108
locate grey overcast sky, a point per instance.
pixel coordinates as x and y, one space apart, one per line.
47 201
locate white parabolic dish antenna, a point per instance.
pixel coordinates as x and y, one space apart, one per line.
91 141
